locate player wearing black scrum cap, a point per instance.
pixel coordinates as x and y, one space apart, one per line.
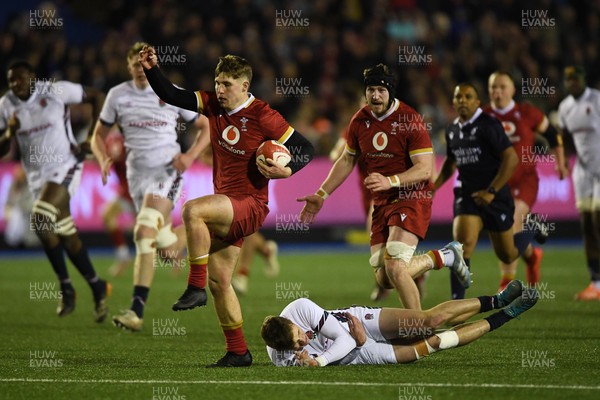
398 156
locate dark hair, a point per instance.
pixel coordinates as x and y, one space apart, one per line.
471 85
277 333
234 66
20 64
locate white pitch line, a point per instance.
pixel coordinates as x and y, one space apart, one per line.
381 384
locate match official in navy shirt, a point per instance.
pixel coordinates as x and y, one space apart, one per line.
477 146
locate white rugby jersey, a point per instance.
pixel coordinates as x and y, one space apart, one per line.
148 124
327 330
45 137
581 117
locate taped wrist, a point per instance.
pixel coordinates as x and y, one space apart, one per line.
394 180
322 193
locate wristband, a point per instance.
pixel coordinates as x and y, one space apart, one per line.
322 193
322 361
394 180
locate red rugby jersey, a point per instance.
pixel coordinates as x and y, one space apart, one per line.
387 144
234 137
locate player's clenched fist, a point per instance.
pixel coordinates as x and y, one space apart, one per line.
148 57
376 182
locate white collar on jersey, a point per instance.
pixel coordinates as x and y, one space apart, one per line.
504 110
476 115
389 112
243 105
148 88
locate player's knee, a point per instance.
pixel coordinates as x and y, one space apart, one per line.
435 321
43 217
147 224
218 284
166 238
192 211
397 272
506 257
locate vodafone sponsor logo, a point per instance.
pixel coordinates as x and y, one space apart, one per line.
380 141
231 134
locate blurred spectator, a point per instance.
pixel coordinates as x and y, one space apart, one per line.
324 45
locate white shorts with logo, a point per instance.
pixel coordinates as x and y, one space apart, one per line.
67 175
377 350
587 189
163 182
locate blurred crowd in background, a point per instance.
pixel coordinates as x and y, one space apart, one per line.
308 56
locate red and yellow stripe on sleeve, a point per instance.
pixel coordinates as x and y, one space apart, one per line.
350 150
419 152
286 135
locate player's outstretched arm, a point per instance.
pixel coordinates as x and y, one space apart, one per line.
167 92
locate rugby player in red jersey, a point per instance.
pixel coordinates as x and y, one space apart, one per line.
399 160
521 122
216 224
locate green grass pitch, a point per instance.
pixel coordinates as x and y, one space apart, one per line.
552 352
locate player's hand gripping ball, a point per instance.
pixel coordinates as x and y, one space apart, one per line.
275 151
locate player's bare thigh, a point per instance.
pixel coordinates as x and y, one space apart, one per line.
397 234
215 210
394 321
465 229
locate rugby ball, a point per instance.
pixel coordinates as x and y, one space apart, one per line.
275 151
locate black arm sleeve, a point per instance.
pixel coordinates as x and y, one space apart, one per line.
301 149
170 93
553 137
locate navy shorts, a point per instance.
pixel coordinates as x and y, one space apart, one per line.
496 217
